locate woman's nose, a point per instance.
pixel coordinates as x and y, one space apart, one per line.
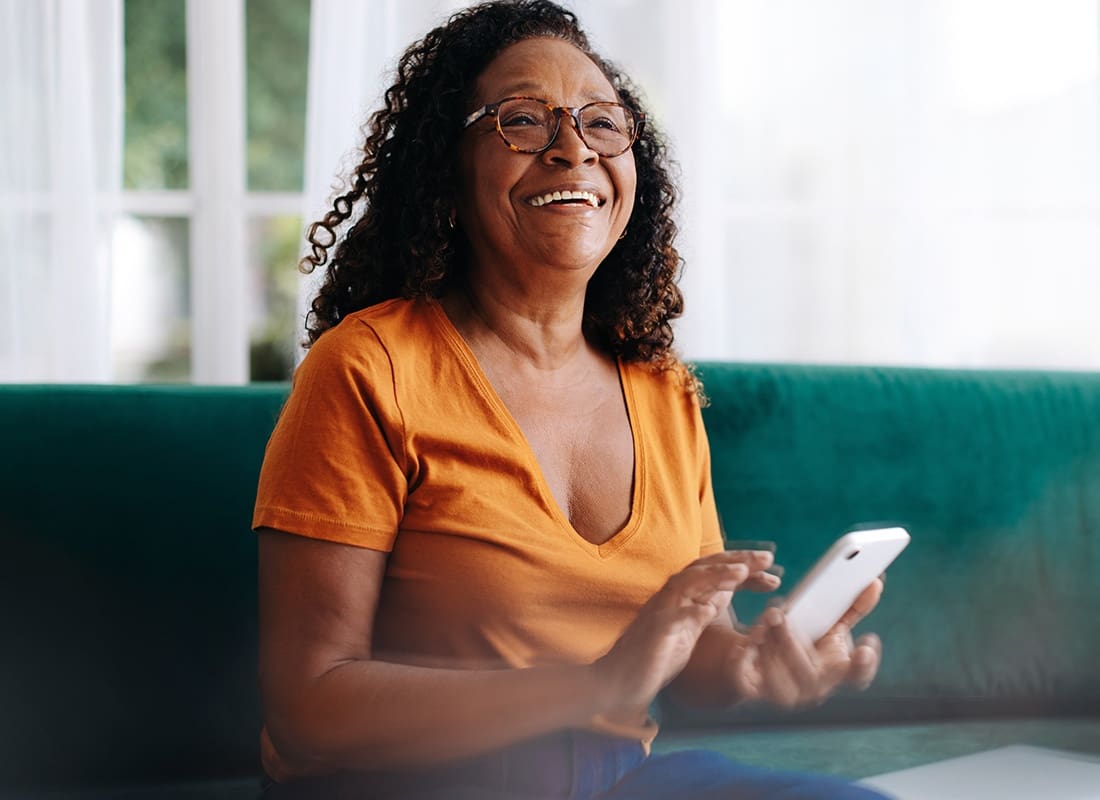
568 147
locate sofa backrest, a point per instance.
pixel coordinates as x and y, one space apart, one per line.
994 608
128 582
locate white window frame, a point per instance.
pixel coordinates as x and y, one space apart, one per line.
217 203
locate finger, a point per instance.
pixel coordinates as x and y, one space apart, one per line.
762 582
866 658
758 559
778 686
707 575
723 602
835 651
700 582
771 680
693 618
863 605
684 619
798 660
704 569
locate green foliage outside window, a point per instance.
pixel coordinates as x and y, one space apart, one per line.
156 155
275 244
155 37
277 63
276 66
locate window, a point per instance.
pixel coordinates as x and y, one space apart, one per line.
868 181
205 279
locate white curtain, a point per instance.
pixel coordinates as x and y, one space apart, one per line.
912 183
353 49
60 172
864 181
672 50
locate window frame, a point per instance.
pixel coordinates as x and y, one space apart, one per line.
217 203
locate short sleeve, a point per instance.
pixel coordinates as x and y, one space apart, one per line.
335 466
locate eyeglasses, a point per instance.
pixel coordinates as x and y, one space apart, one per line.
530 125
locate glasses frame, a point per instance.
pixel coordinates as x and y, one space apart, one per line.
493 110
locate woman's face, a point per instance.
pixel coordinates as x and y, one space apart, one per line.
510 234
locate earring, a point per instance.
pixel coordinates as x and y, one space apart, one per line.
452 220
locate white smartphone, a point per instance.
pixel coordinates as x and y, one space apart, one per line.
847 568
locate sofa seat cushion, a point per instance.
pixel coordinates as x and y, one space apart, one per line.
856 751
861 751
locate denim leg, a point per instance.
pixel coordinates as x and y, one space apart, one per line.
600 762
579 766
706 775
569 765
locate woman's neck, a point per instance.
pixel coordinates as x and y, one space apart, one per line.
543 331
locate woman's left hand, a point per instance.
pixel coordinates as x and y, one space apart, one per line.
771 664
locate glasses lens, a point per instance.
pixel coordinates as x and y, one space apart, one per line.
608 127
526 125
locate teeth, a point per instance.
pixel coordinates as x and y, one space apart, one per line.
550 197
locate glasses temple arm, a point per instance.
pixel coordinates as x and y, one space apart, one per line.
474 117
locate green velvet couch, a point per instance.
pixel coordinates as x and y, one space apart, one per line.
128 580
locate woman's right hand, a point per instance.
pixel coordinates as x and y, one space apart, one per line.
659 642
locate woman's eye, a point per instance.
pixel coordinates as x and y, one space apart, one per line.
605 123
515 120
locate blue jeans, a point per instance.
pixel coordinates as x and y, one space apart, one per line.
577 765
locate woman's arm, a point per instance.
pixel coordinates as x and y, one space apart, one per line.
329 706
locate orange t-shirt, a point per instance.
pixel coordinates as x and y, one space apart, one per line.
393 439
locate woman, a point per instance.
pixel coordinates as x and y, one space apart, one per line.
488 537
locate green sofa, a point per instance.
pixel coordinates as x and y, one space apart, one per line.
128 580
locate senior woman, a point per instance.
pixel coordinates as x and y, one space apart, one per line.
487 532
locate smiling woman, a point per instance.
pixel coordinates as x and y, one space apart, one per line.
514 234
412 158
488 536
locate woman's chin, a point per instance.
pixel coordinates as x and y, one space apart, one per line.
574 253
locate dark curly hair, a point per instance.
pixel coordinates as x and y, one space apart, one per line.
404 245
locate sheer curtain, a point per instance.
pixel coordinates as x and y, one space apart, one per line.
353 48
60 173
912 183
864 181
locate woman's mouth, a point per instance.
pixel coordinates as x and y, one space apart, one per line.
566 196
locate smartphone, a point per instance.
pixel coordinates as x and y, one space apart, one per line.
847 568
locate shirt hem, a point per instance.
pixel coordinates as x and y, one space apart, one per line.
316 526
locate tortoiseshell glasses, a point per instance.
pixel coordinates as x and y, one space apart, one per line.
530 125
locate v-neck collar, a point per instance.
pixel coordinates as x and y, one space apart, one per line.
485 387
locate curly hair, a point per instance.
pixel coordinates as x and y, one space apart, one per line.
404 243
